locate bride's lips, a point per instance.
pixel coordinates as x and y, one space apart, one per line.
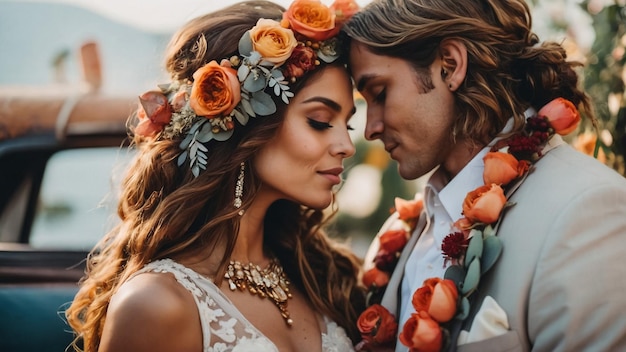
332 174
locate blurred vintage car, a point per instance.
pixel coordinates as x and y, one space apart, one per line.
59 153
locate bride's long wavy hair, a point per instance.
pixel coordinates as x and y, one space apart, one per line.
167 212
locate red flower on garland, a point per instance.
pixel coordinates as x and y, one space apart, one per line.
454 247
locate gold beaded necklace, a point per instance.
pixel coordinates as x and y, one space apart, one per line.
270 282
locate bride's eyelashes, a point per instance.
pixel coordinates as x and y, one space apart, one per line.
318 125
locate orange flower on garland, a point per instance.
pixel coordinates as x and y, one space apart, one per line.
474 249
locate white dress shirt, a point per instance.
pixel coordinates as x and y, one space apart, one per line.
443 202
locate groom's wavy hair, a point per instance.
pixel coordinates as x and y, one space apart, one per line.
507 73
167 212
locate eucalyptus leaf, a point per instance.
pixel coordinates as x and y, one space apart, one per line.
193 149
455 273
195 170
488 231
475 247
285 97
464 308
245 44
242 117
182 158
254 83
277 90
262 103
202 165
272 82
195 126
201 148
247 107
472 278
242 72
223 135
185 143
278 75
205 134
491 252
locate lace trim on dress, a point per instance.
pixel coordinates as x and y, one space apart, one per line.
224 328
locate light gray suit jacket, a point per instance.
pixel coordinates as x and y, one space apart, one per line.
561 278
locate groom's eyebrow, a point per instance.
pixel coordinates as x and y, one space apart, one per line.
363 81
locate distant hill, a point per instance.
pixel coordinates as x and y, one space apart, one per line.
34 34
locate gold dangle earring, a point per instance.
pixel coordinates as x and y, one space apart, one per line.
239 188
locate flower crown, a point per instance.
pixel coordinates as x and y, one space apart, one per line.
271 55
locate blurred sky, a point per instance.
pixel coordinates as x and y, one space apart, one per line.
158 15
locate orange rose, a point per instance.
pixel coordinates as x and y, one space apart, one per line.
502 168
312 19
375 276
484 204
438 298
421 333
393 240
562 114
377 325
154 112
215 90
408 209
344 9
274 42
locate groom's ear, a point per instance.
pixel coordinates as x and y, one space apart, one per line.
453 62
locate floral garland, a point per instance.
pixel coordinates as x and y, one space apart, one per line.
471 249
271 55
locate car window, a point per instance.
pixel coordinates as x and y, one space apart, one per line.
78 197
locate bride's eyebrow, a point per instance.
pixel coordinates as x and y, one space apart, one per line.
328 102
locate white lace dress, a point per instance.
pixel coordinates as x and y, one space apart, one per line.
224 328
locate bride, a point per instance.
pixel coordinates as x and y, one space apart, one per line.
221 244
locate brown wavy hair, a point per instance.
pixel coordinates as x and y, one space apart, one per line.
167 212
509 70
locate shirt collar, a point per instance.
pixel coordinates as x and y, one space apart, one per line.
452 194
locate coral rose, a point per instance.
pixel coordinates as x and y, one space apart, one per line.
393 240
408 209
377 325
421 333
215 90
312 19
274 42
484 204
562 114
502 168
344 10
376 277
302 60
154 112
438 298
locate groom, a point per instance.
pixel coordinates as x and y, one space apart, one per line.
530 232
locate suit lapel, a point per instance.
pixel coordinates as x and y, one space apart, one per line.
392 291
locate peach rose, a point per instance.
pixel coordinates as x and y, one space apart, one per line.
377 325
438 298
484 204
464 224
408 209
421 333
274 42
375 276
502 168
312 19
180 100
154 112
393 240
344 10
562 114
215 90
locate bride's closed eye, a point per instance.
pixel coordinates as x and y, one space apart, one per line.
318 125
